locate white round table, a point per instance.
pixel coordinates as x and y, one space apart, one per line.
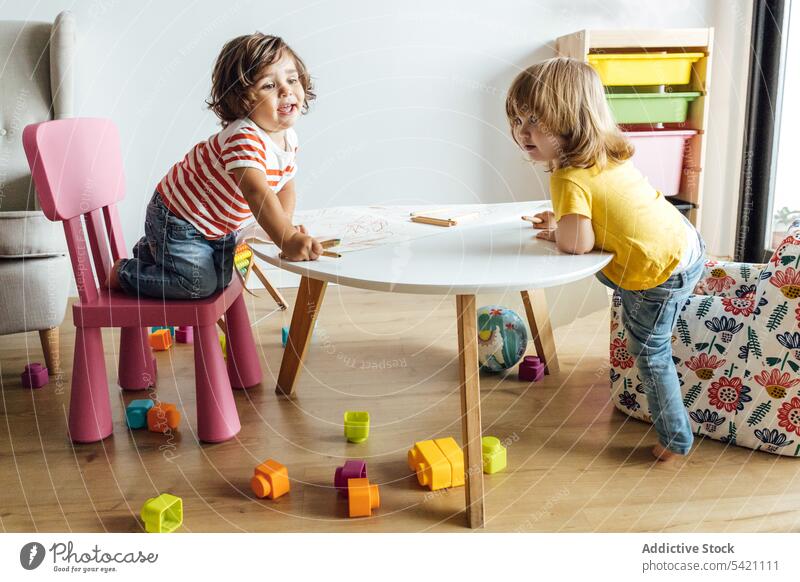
463 261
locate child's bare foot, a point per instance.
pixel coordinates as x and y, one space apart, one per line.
662 453
113 280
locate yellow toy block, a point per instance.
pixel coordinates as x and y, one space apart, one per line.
494 455
438 463
455 456
162 514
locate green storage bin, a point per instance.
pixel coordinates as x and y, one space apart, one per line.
650 107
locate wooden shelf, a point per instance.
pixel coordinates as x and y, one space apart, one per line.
580 44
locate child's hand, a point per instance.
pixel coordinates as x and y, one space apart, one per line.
548 220
547 235
301 247
301 228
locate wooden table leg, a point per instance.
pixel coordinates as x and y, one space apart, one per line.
470 407
52 351
541 330
306 308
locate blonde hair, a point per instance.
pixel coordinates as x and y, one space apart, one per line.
565 96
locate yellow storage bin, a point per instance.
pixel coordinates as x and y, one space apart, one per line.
644 68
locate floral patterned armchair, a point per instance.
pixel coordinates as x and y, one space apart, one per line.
736 346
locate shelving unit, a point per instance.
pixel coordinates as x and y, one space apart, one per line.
581 44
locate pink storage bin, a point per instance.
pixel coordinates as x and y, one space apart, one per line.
659 156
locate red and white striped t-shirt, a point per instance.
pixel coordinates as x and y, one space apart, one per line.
201 188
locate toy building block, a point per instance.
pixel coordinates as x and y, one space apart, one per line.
454 456
162 514
184 334
284 336
356 426
362 497
136 412
270 480
494 455
163 417
352 469
223 344
170 328
35 375
531 369
161 340
438 463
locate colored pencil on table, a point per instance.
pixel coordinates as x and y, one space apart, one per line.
533 219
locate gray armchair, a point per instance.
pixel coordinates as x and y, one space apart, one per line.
35 85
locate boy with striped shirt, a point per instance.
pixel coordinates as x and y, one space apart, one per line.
259 89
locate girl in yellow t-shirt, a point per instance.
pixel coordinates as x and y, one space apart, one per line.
559 116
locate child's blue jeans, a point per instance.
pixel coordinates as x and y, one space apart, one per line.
173 260
649 317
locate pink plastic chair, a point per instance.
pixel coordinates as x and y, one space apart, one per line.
77 169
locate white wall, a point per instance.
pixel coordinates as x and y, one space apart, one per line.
411 93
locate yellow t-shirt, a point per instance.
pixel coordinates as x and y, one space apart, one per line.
630 218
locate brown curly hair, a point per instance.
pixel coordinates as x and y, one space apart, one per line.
236 71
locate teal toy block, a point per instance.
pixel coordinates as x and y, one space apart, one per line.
284 336
356 426
494 455
136 413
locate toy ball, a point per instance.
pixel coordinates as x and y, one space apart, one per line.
502 338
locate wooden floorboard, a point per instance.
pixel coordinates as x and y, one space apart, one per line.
575 464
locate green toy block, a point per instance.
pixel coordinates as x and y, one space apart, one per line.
162 514
356 426
494 455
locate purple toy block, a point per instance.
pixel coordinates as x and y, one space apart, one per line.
352 469
184 334
531 369
35 375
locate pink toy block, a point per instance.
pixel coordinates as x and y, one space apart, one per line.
352 469
76 166
531 369
184 335
35 375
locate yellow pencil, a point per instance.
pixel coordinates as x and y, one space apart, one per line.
326 244
331 254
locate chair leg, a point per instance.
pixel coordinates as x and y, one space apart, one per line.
136 363
89 403
243 367
49 338
217 419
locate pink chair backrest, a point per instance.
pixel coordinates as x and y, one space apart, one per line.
76 167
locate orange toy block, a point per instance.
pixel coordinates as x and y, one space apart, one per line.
161 340
362 497
438 463
270 480
163 417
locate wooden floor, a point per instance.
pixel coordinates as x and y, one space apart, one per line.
575 464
